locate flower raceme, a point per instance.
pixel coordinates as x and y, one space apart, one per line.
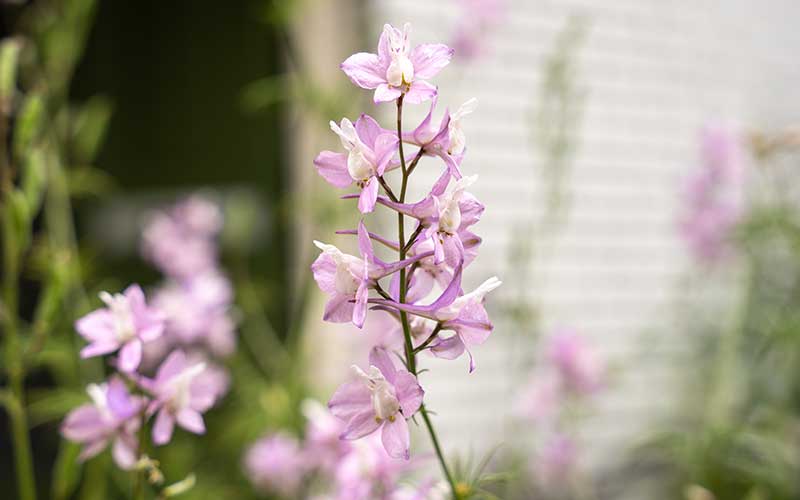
431 256
397 70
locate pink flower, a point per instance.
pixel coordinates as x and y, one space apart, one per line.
112 415
369 148
577 363
124 324
464 314
276 464
382 398
347 278
476 18
197 312
447 141
396 69
368 472
181 242
557 460
323 448
181 394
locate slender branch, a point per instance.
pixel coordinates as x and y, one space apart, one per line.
411 359
387 188
382 292
428 341
413 238
416 159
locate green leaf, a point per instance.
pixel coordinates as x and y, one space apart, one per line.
52 404
33 182
9 55
18 217
89 181
29 125
66 470
90 127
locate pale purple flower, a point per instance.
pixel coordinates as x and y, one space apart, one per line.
577 362
383 398
181 395
370 150
368 472
476 19
541 398
197 312
464 314
712 209
323 448
347 278
181 242
557 459
397 69
113 415
447 140
124 324
276 464
445 214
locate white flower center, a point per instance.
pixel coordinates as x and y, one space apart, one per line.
449 209
180 387
359 165
122 315
453 310
100 399
384 401
456 134
401 70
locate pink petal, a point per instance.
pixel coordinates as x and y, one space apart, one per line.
191 420
99 348
333 168
92 449
368 130
429 58
364 243
324 271
350 399
135 297
408 392
396 438
449 348
84 423
360 307
97 326
364 70
360 425
124 453
419 91
170 367
339 309
119 400
369 195
162 429
379 358
130 356
385 93
385 148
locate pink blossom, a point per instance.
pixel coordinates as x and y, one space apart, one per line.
181 395
447 140
347 278
323 448
124 324
197 312
576 361
541 398
477 17
113 415
712 210
368 472
383 397
464 314
275 463
181 242
397 69
370 149
557 460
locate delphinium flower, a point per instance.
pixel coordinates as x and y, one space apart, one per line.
431 256
124 325
196 297
397 70
476 18
277 464
569 375
113 415
711 209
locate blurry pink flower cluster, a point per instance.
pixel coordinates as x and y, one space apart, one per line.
323 467
383 395
570 373
711 207
173 336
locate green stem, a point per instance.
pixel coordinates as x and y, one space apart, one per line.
411 357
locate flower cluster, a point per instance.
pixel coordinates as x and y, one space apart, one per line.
160 372
323 467
570 373
711 209
421 290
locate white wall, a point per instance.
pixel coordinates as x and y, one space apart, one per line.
654 71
